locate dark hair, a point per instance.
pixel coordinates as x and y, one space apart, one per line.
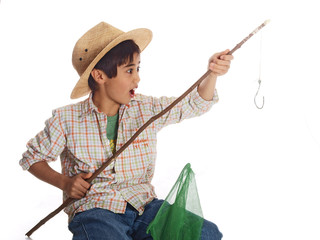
117 56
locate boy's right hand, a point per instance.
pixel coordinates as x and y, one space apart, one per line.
76 187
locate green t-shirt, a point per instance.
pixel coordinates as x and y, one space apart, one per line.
112 130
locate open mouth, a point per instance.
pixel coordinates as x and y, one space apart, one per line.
132 92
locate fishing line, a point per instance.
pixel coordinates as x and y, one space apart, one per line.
259 79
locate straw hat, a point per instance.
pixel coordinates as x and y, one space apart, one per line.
94 44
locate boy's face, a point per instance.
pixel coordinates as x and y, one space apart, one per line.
121 88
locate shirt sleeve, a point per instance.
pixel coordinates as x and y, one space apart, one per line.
192 105
46 145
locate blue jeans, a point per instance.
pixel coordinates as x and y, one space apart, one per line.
102 224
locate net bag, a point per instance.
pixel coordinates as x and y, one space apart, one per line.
180 216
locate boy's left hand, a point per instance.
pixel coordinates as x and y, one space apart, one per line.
220 62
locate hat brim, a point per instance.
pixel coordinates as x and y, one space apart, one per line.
141 36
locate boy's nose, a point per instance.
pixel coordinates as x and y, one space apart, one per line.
136 78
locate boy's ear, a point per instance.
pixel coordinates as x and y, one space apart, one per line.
99 76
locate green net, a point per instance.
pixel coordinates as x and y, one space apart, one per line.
180 216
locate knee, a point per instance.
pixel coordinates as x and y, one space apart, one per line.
210 231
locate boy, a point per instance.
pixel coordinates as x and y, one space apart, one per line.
121 202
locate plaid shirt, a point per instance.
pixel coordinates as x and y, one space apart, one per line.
78 134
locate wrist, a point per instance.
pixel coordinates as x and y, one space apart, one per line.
63 183
212 76
207 87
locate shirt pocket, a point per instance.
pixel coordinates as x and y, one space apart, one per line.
88 151
132 165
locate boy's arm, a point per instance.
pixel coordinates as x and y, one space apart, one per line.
75 187
198 101
46 147
219 64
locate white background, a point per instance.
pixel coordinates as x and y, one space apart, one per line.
257 170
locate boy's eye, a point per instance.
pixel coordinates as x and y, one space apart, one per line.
131 70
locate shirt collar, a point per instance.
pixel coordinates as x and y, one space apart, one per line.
89 107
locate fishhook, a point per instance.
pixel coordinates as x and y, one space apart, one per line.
259 81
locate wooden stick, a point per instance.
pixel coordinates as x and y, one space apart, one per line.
248 37
152 119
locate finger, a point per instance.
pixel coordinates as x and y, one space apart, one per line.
213 66
85 175
76 193
88 175
223 62
225 52
80 186
84 183
216 56
226 57
219 72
